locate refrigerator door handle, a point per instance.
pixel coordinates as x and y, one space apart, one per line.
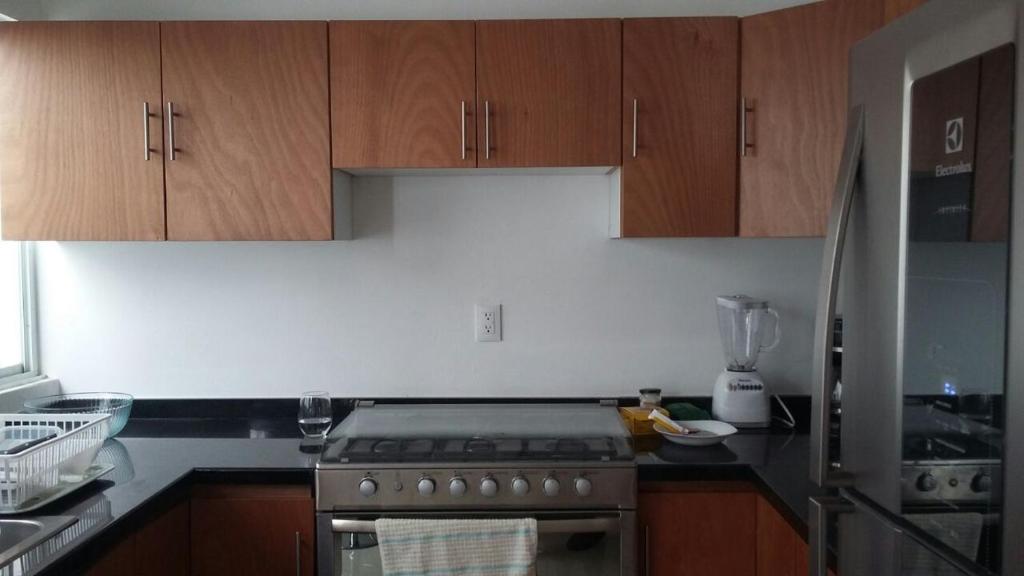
828 286
851 500
817 530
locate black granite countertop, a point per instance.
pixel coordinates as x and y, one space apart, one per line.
157 459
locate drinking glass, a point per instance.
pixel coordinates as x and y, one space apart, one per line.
315 414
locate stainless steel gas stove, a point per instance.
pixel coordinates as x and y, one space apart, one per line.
571 466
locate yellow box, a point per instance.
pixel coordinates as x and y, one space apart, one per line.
637 421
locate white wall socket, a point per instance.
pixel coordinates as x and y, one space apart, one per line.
487 323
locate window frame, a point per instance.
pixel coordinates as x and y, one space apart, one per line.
29 367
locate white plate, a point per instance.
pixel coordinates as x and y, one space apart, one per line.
706 432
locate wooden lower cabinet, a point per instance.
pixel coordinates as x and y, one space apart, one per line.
253 530
159 548
715 529
698 529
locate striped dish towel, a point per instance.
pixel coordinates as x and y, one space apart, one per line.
499 547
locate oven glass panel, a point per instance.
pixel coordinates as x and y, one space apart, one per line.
582 554
955 306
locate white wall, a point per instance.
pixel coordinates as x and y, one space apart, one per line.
383 9
390 313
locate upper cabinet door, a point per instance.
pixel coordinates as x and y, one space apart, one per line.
74 163
403 94
548 92
680 80
251 130
794 67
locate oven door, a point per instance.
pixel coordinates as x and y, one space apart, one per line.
568 543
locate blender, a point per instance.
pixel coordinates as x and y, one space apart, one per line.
740 396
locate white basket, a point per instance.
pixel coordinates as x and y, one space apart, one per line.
28 474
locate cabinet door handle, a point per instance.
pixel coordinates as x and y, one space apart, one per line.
647 550
145 129
487 129
744 110
170 129
298 554
635 106
463 121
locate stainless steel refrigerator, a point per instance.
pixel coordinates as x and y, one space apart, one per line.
925 256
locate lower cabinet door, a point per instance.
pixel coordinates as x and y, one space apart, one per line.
252 530
704 529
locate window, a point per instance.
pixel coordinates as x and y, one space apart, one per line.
17 313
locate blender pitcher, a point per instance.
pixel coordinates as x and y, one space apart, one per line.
744 323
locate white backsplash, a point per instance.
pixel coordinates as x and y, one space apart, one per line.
391 312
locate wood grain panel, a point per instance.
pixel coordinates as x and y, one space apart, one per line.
396 94
162 545
794 68
554 88
118 561
699 534
253 128
71 130
683 74
896 8
778 545
242 534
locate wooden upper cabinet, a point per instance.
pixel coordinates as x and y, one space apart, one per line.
72 157
403 94
252 130
552 89
679 114
896 8
794 80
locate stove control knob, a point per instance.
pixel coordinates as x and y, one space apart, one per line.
982 482
425 486
367 487
551 486
457 487
926 482
489 487
520 486
583 486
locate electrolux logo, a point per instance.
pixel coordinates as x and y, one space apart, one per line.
955 135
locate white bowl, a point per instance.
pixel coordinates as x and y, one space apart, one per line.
706 432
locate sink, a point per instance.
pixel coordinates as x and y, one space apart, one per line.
19 535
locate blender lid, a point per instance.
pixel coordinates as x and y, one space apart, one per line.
742 302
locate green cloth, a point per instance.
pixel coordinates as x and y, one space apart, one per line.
687 411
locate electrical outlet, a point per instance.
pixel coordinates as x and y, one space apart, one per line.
488 323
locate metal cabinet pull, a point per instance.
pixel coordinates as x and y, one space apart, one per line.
463 120
744 110
817 531
635 106
170 130
145 129
487 129
647 550
828 287
298 554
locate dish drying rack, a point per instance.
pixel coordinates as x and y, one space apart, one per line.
30 474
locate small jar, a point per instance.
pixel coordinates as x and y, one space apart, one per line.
650 397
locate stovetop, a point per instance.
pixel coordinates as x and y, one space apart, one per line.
494 434
478 457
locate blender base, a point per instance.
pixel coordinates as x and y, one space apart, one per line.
741 399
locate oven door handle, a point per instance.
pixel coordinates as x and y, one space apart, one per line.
573 526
